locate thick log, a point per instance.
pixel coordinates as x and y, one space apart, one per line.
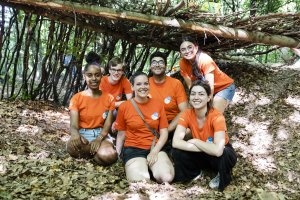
209 29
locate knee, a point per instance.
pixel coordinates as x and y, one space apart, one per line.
138 178
106 156
164 178
73 153
177 154
230 156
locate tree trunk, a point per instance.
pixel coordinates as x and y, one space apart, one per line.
218 31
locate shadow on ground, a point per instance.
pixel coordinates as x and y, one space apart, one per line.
263 123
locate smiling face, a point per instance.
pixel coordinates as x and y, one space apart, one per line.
141 86
93 76
188 50
116 72
158 66
198 97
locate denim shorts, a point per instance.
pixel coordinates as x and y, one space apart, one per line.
227 93
92 134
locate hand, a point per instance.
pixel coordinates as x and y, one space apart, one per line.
152 158
95 145
113 129
193 141
76 140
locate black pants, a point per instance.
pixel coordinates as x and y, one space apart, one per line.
189 164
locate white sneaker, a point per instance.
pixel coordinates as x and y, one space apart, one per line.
198 177
214 183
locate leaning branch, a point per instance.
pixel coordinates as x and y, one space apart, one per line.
216 30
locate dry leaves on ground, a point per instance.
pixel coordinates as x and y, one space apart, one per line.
263 124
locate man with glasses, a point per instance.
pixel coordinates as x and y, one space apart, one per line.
115 83
169 91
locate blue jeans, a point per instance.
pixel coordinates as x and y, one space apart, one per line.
93 133
90 134
227 93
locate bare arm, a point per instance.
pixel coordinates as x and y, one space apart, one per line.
128 96
95 144
120 141
172 126
296 51
107 124
118 103
152 156
75 139
216 148
211 79
179 143
162 140
74 123
188 81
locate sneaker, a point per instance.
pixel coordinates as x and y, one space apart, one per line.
214 183
198 177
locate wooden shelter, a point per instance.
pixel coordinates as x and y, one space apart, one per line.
163 24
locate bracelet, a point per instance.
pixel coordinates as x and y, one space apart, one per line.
101 137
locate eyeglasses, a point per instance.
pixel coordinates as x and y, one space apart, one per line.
116 70
187 49
155 63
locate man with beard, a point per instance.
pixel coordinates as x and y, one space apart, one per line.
169 91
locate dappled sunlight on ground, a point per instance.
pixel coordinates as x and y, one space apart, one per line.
282 133
295 117
3 165
263 122
28 130
237 98
263 101
40 155
294 101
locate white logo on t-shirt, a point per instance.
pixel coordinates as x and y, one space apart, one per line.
167 100
154 116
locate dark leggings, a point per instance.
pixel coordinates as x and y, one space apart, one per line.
189 164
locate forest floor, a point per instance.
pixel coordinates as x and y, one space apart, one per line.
263 123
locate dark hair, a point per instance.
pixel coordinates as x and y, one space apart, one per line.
206 86
159 54
93 57
86 67
195 65
136 74
189 38
115 61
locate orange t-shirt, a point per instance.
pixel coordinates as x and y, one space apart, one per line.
206 65
92 111
215 122
170 93
136 132
117 90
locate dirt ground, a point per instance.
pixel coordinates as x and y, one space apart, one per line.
263 123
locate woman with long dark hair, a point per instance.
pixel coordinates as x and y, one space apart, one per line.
209 146
198 65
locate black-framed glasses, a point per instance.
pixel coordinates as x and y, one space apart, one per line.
155 63
116 70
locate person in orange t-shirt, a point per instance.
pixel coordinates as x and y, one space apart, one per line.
138 155
116 83
91 118
196 64
169 91
209 147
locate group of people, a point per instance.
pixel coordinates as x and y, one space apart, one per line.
162 134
